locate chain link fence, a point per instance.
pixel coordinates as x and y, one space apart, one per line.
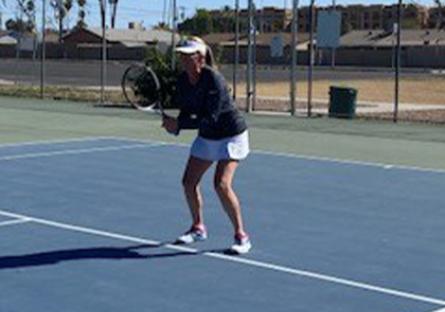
284 60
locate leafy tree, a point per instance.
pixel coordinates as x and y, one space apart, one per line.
162 26
201 23
160 63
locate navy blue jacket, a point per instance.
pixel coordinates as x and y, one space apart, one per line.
208 106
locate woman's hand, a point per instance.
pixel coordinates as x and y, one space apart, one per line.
170 124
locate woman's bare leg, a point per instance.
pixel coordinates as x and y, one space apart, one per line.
224 174
193 173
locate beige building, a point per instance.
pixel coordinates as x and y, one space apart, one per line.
354 17
368 17
268 19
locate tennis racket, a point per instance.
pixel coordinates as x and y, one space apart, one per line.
142 89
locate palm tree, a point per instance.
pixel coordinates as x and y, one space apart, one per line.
439 21
28 8
113 4
61 11
81 17
2 4
103 4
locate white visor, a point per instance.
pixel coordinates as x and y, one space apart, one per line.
191 47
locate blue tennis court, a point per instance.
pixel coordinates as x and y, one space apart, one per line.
87 225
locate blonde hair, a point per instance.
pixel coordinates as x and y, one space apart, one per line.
209 58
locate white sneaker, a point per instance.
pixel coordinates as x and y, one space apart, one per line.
195 234
241 245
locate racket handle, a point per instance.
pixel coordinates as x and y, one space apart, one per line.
166 116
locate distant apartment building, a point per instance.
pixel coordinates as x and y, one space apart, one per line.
267 19
270 19
360 17
369 17
354 17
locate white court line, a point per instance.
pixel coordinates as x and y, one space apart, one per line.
440 310
56 141
287 155
305 157
245 261
11 222
78 151
352 162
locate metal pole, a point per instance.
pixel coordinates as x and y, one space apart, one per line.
236 55
397 61
43 51
17 48
249 58
254 64
311 59
104 52
174 20
293 91
333 50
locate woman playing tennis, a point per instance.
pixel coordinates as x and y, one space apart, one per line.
205 104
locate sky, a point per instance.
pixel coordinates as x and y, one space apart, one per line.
151 12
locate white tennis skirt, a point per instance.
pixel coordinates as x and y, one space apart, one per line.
235 147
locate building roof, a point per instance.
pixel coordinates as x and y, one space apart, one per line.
361 38
262 39
133 35
381 38
7 40
416 38
218 38
266 38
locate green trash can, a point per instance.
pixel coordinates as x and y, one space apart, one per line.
342 102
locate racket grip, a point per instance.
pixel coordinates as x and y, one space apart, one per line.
166 116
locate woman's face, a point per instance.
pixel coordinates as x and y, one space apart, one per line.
192 63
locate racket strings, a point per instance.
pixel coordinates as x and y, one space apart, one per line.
142 88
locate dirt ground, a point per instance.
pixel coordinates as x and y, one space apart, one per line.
414 91
436 116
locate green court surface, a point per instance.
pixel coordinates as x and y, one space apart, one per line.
402 144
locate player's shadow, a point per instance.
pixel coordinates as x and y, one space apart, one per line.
109 253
